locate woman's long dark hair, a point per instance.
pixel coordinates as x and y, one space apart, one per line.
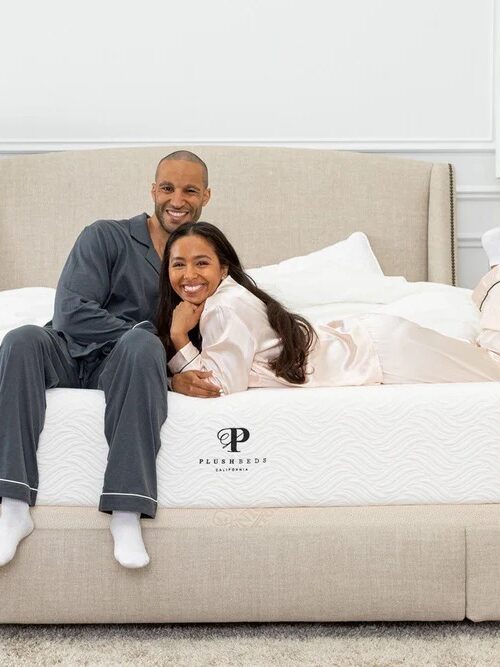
295 333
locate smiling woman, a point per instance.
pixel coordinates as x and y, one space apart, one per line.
199 262
247 339
194 269
195 273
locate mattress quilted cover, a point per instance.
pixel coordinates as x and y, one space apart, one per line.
378 445
406 444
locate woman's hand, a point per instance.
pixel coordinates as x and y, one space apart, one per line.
184 318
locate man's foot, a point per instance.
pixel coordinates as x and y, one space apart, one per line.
15 524
129 547
491 243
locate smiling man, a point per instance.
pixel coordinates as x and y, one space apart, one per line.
102 337
179 192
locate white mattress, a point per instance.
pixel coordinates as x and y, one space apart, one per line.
340 446
407 444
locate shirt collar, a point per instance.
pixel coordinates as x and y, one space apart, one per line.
139 231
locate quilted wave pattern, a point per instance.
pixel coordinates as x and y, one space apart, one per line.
406 444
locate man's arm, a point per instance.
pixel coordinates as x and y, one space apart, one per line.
195 383
82 290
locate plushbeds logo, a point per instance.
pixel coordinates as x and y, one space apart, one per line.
230 438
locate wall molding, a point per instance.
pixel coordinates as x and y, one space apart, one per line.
469 241
11 147
485 144
478 192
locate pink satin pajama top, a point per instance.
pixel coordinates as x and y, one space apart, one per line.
238 344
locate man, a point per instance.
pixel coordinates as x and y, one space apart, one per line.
102 337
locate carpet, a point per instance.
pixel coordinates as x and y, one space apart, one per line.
444 644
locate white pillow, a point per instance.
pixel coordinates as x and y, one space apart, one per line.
304 291
446 309
351 256
322 276
28 305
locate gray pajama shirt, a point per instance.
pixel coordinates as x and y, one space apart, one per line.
101 337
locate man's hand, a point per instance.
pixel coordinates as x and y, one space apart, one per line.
195 383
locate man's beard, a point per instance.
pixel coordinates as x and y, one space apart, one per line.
159 212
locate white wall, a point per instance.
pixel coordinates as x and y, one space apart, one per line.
410 77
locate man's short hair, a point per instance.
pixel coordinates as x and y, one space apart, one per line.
187 156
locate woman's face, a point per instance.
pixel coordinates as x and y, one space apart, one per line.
194 269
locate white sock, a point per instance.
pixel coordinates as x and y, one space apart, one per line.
127 535
15 524
491 244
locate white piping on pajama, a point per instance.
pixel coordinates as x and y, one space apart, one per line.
136 495
189 362
22 483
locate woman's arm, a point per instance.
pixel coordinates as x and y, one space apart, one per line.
228 350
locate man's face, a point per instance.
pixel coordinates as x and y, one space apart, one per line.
179 193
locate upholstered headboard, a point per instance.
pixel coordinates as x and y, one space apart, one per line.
273 203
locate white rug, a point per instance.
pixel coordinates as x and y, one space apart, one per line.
462 644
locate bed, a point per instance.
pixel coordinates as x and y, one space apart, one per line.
357 503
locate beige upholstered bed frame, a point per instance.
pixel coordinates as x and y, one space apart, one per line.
324 564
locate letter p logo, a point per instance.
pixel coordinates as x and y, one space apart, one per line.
230 437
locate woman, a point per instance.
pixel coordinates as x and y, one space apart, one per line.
213 317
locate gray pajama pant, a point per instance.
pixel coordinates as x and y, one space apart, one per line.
134 380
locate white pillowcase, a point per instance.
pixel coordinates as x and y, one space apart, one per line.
353 255
303 291
446 309
27 305
322 276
